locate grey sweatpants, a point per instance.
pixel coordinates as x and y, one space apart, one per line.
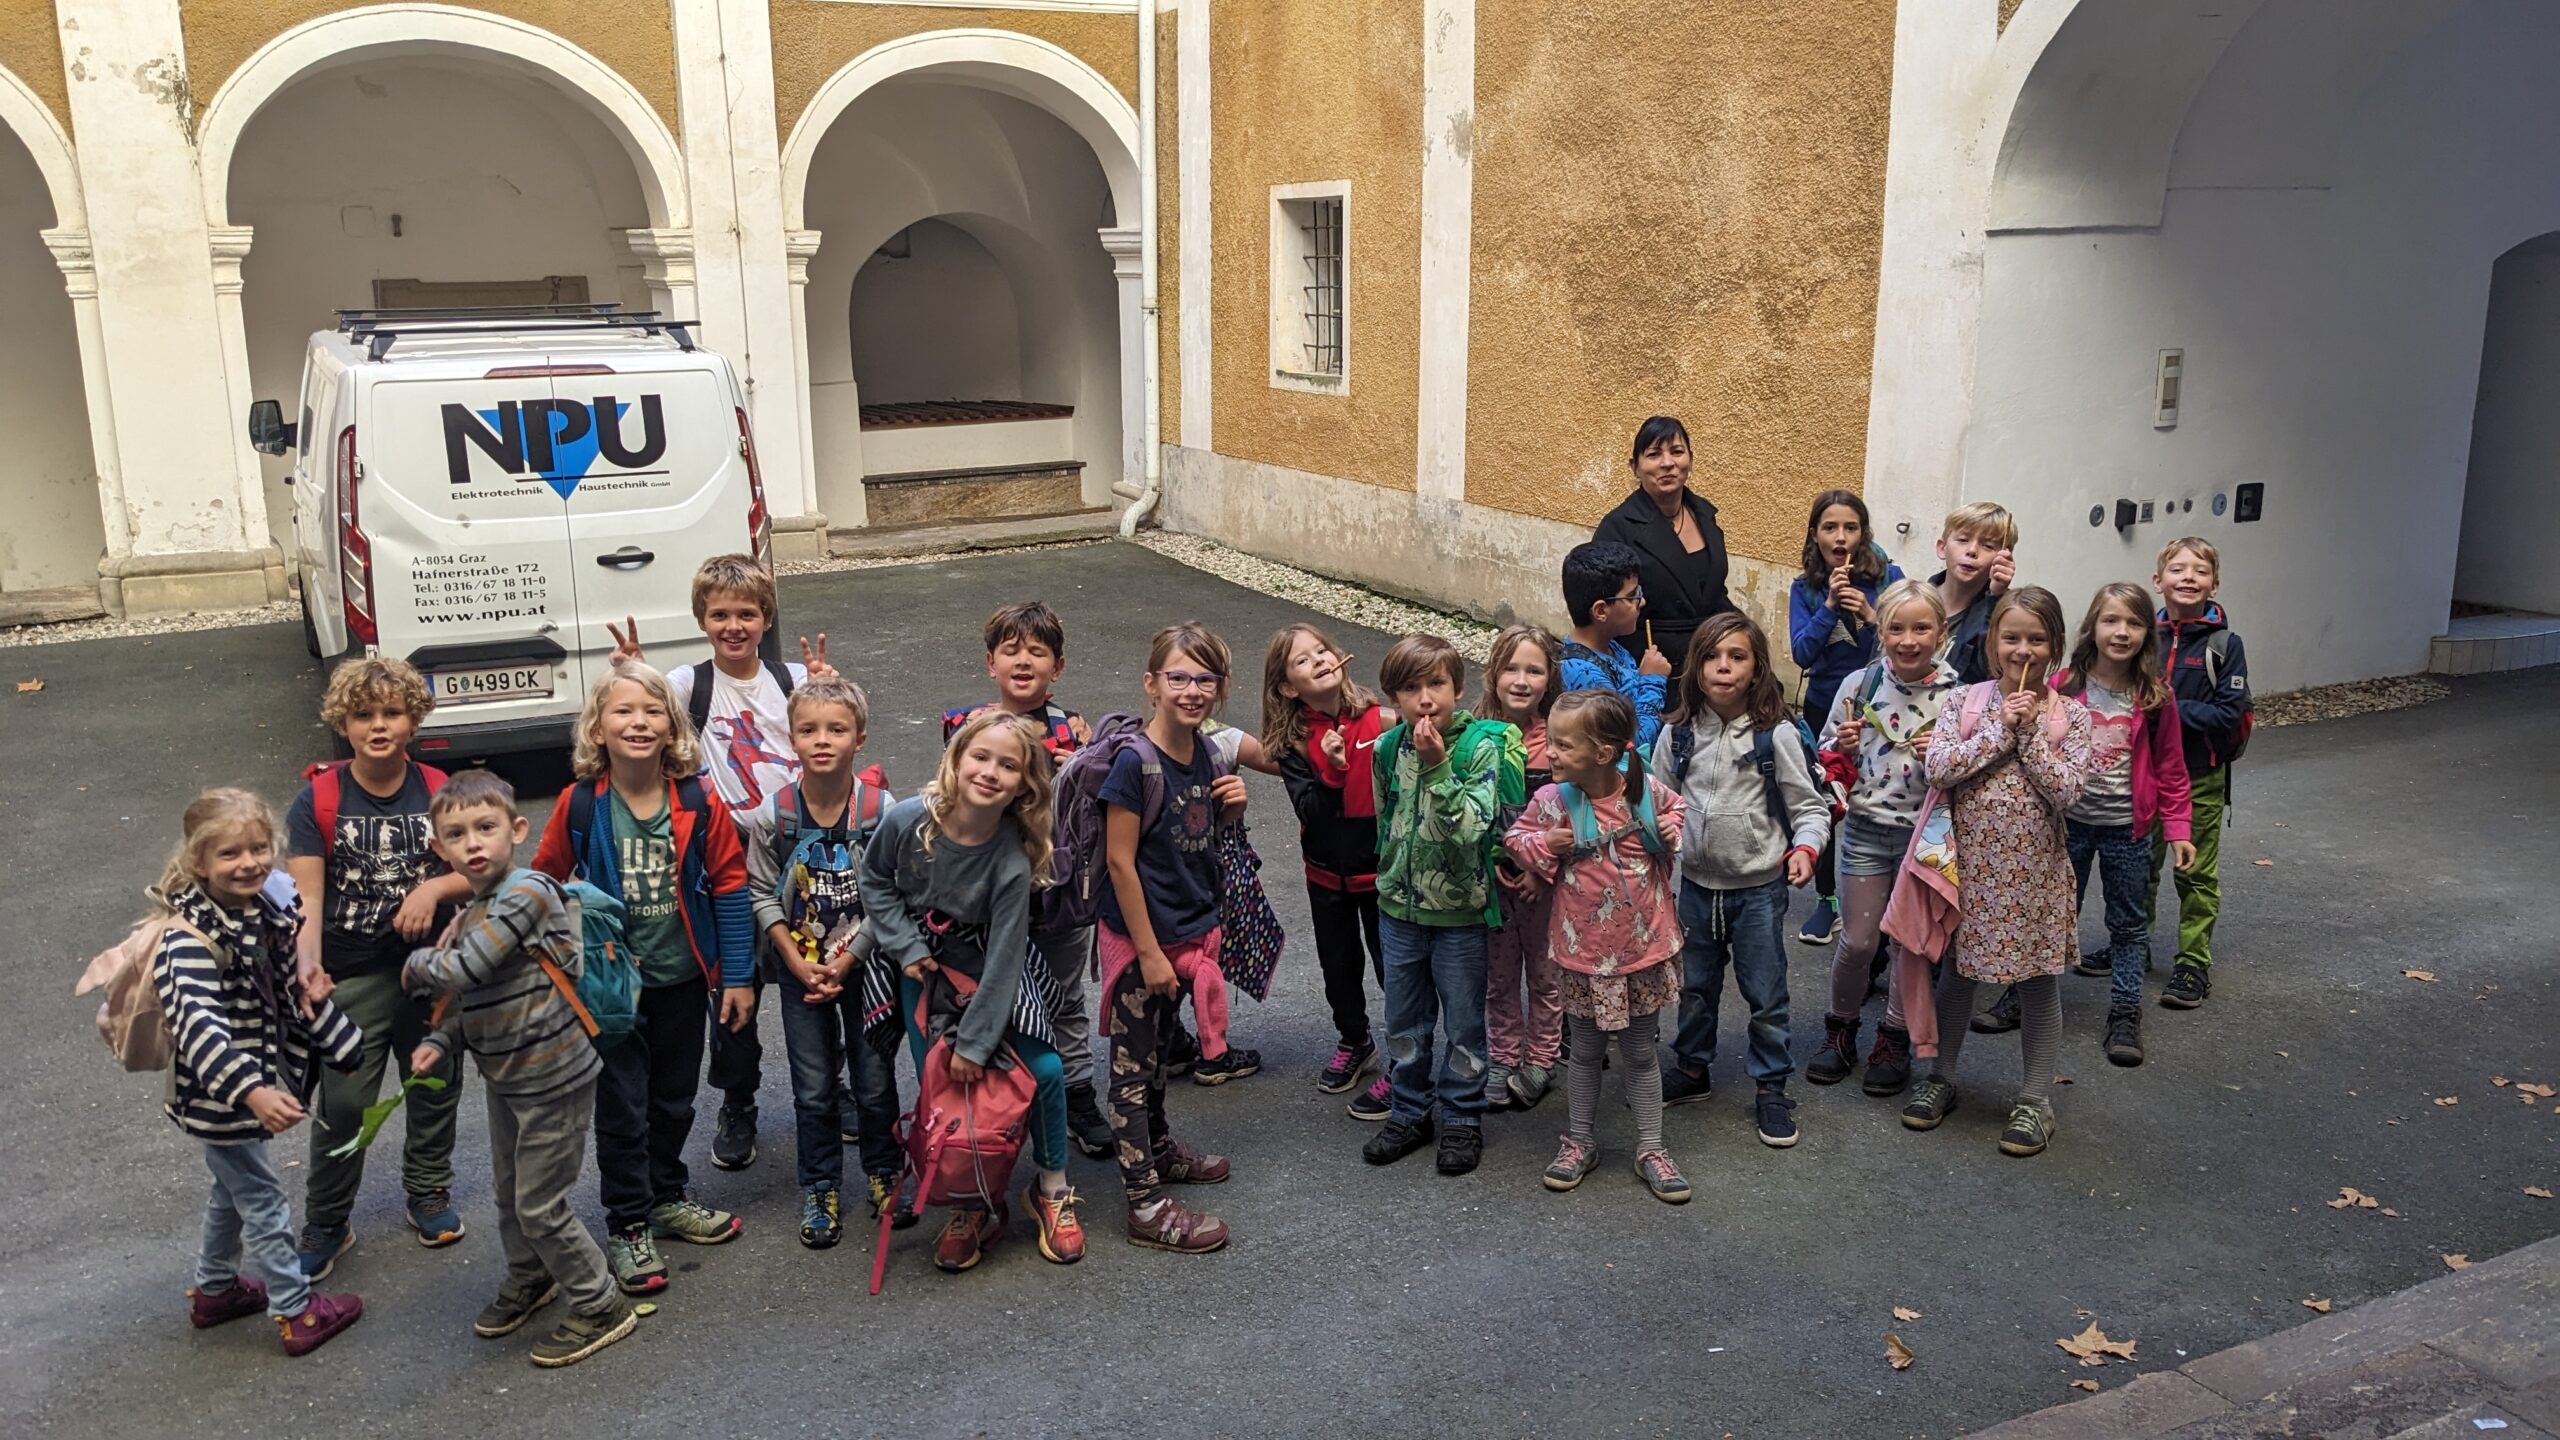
536 1148
1069 952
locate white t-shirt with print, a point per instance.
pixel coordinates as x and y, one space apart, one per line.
746 744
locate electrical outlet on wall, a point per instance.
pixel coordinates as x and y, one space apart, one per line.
2146 512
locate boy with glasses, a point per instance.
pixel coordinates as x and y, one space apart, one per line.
1601 593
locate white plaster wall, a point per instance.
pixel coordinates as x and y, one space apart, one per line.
2332 339
53 534
939 324
494 178
2511 510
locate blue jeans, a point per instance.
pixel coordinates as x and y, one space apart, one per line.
1744 929
246 1218
2124 877
824 1046
1048 1079
1435 973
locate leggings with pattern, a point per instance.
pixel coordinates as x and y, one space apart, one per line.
1640 1071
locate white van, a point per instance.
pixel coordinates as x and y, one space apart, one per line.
481 492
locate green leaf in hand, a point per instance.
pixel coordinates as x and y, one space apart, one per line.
379 1111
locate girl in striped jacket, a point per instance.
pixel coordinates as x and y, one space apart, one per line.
246 1042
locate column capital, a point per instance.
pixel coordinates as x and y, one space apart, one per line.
663 244
1128 255
798 248
230 244
77 262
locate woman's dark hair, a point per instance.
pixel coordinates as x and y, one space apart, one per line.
1866 565
1593 571
1764 701
1654 431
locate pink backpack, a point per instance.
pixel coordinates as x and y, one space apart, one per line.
961 1140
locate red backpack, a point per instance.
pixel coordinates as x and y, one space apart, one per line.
961 1140
324 777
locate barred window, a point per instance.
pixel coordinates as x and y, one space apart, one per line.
1310 286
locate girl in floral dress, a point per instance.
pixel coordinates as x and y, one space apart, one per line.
1610 862
2010 756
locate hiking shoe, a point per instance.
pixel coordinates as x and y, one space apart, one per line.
580 1336
1822 925
965 1239
1374 1103
1775 1113
2030 1128
695 1223
432 1212
320 1247
821 1217
2002 1017
1932 1100
1888 1062
2124 1035
208 1308
1182 1053
2187 988
733 1140
1461 1147
2096 962
1497 1087
319 1322
637 1266
1573 1161
1530 1084
1349 1063
1662 1177
1179 1164
1679 1087
517 1301
1839 1053
1086 1124
1061 1233
1395 1140
1169 1225
1234 1065
884 1193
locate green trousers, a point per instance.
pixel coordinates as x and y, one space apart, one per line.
2199 889
393 1024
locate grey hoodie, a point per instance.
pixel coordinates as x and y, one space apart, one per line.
1728 841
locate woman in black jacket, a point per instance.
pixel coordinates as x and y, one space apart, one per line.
1673 529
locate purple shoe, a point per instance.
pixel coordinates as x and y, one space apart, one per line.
319 1322
208 1308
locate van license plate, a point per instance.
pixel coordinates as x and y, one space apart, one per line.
502 682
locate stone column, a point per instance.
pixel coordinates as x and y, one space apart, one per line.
799 247
1127 265
80 278
230 246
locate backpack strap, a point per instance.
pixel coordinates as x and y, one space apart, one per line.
324 802
1684 748
697 706
1577 809
689 794
434 777
781 677
1977 698
2217 653
1764 758
581 805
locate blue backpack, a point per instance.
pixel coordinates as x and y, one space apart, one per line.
1586 822
1764 758
606 991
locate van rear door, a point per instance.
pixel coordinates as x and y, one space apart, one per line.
468 530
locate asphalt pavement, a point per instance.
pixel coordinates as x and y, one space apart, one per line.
2182 1203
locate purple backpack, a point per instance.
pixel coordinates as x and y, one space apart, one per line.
1082 862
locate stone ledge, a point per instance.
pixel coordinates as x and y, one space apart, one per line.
131 585
874 541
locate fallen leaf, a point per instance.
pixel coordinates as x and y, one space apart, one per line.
2093 1346
2262 863
2501 1081
2457 1262
2537 1192
1897 1354
2390 1213
2348 1195
1906 1314
2448 1099
2322 1306
29 687
2427 975
2286 1054
2545 1091
2089 1385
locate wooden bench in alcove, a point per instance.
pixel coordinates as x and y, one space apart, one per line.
938 461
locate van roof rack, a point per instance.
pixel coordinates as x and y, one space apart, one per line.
379 329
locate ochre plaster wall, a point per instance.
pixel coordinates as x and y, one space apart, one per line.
1678 209
31 49
812 40
636 38
1307 92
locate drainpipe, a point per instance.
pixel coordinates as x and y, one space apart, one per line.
1151 424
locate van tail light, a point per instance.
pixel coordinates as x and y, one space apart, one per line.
355 552
759 519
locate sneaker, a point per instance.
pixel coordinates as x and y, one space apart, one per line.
2002 1017
637 1266
1839 1053
1349 1063
1182 1053
2124 1035
1573 1161
965 1239
695 1223
1888 1062
319 1322
1932 1100
1775 1113
517 1301
580 1336
432 1212
1169 1225
1179 1164
1061 1233
1461 1148
2187 988
320 1247
733 1140
1822 926
2097 962
1234 1065
1373 1104
2030 1128
1497 1087
1679 1087
1395 1140
884 1193
1086 1124
208 1308
1530 1084
1662 1177
821 1217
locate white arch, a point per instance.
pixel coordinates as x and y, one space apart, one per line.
33 122
1000 60
412 29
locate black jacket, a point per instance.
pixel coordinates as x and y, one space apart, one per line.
1680 589
1969 635
1341 847
2210 707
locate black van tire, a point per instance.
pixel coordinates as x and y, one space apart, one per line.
310 631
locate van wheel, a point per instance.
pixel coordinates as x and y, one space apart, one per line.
310 631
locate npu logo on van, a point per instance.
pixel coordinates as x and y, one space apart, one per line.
555 441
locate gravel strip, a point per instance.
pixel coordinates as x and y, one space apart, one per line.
109 628
2356 697
1336 598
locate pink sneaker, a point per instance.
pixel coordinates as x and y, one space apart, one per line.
206 1309
319 1322
1372 1103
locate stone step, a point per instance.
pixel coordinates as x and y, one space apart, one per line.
991 492
49 607
2499 640
873 541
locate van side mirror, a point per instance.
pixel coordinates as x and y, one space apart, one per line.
268 434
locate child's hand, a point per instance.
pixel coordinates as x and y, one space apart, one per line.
1844 591
1429 745
1653 663
964 1069
417 914
275 1109
1336 753
1669 827
315 984
2019 708
626 638
1845 738
812 978
737 1006
917 970
2004 570
426 1057
1799 867
1560 840
1159 975
1516 882
1228 793
814 659
2182 853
